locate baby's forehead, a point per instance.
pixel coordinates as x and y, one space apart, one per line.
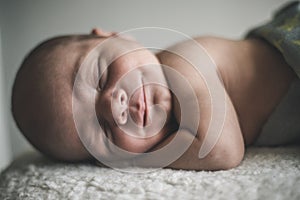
67 58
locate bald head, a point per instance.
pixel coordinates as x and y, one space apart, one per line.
42 96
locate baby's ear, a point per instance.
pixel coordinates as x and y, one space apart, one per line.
102 33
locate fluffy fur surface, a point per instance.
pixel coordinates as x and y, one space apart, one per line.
265 173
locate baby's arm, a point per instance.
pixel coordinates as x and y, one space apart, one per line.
229 148
227 153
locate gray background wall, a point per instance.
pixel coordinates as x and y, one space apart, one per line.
26 23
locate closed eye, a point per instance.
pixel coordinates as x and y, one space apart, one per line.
102 80
103 70
107 131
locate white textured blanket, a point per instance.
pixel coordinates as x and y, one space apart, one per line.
265 173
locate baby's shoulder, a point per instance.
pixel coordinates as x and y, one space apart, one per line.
184 58
197 75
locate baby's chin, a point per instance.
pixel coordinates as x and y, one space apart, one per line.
131 144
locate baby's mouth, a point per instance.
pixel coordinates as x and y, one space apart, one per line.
138 107
145 119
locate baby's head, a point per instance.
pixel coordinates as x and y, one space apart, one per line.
43 88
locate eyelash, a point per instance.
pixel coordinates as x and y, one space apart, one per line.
102 80
107 130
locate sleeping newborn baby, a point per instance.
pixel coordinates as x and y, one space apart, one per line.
257 75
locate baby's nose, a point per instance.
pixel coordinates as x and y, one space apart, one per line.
119 106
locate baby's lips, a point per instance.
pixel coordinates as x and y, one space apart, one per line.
137 108
145 114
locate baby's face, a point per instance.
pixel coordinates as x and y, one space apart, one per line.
133 103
